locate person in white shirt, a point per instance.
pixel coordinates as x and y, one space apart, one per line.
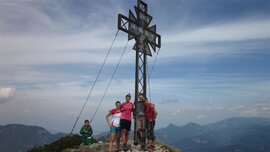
114 125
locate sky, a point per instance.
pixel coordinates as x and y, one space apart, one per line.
214 61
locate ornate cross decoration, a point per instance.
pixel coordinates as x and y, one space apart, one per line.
145 37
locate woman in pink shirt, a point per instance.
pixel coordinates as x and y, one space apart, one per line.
125 122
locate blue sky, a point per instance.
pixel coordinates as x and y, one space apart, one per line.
213 64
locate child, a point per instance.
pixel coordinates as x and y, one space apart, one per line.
86 132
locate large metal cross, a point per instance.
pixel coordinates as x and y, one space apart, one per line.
145 36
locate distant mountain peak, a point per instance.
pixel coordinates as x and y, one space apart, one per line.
22 125
241 121
193 124
232 134
172 126
24 137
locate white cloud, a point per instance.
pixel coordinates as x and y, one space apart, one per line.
201 116
177 111
59 44
52 16
72 113
257 109
64 94
169 101
231 31
211 106
6 92
46 32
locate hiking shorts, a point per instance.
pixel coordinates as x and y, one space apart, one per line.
114 129
150 125
125 124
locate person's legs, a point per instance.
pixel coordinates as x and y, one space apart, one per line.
125 127
143 129
83 150
147 126
139 127
125 139
117 136
152 133
83 145
111 141
126 136
149 143
123 131
128 125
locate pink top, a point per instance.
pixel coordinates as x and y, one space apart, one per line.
127 108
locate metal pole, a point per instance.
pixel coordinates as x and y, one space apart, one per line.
136 96
145 74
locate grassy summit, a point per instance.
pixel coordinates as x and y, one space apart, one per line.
72 144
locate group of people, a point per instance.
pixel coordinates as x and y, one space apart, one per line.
119 120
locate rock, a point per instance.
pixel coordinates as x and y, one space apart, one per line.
103 147
100 142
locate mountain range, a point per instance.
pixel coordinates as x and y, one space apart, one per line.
229 135
20 138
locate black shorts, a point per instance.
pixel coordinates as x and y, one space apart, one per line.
125 124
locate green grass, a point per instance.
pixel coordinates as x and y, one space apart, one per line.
68 142
72 144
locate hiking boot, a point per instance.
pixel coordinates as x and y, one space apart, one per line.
151 148
142 143
125 147
143 147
